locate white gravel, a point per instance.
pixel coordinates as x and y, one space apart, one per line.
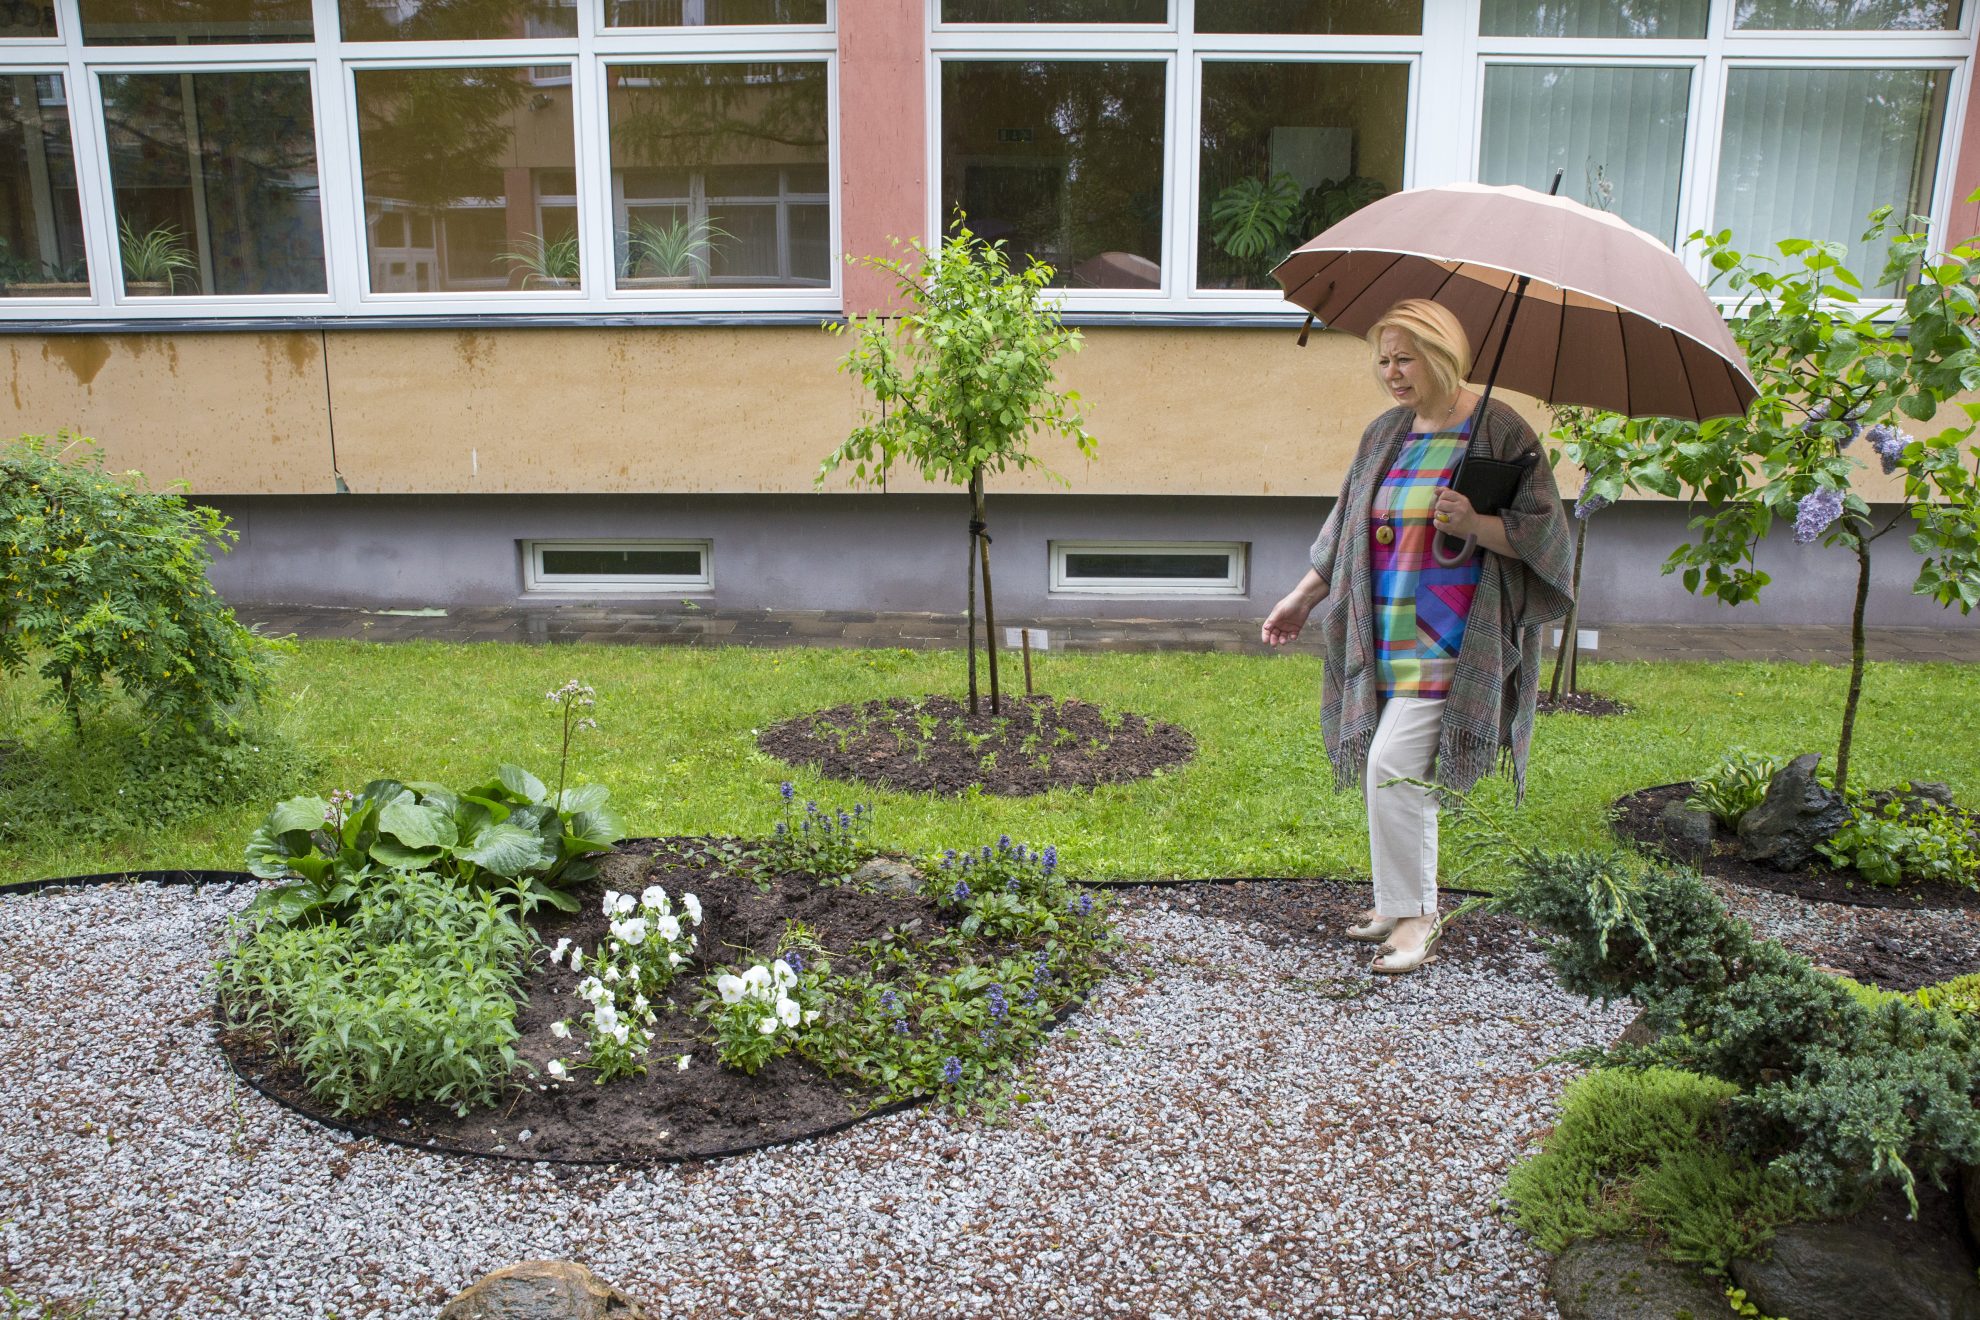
1216 1138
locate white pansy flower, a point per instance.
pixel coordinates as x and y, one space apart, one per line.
557 954
591 988
611 974
767 1027
577 958
556 1069
654 897
620 1032
605 1017
782 971
757 977
669 927
788 1012
613 946
810 1016
692 906
633 929
561 1030
611 903
682 1066
730 987
639 1003
673 959
625 905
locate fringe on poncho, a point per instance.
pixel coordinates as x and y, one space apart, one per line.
1488 717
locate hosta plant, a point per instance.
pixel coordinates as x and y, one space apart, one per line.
511 834
1734 786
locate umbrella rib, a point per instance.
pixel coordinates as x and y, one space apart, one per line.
1395 259
1696 410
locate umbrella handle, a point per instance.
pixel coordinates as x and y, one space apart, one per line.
1463 555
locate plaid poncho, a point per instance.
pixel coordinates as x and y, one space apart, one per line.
1488 716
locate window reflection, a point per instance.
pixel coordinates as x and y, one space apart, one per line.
1312 17
1847 15
28 18
1055 11
469 178
1061 159
215 182
1288 150
194 22
712 13
455 20
719 174
1594 18
41 242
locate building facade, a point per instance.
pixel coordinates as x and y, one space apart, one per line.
496 301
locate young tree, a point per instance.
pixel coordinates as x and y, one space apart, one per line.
963 380
1599 443
1834 368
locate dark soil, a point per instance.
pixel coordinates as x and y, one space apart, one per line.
1580 703
1283 912
1635 817
666 1114
936 746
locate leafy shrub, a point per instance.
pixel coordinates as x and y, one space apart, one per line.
1905 841
1639 1154
109 781
1843 1093
1959 995
808 841
1734 786
413 999
106 579
510 829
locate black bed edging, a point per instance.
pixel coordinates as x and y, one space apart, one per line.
179 877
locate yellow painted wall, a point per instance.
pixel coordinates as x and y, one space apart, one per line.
718 410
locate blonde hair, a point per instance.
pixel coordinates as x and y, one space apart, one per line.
1438 337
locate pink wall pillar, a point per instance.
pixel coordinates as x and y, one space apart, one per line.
883 137
1963 219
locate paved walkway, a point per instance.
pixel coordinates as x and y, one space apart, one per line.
626 626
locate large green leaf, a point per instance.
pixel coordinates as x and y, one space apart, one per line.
297 813
391 852
417 825
436 795
268 853
522 783
505 850
599 823
584 797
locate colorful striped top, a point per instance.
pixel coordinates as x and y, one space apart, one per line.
1420 609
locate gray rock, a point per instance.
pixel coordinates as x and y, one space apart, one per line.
1690 829
542 1290
1639 1031
1877 1263
1615 1279
888 876
1796 814
1928 790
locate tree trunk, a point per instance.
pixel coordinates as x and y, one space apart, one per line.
1569 654
1855 657
969 584
989 606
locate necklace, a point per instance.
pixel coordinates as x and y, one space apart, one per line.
1449 412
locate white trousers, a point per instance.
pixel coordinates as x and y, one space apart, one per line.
1402 818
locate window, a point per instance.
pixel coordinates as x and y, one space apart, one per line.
1148 568
616 566
41 239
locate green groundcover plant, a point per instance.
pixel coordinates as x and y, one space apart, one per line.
104 582
413 997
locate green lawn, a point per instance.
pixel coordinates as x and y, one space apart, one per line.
676 747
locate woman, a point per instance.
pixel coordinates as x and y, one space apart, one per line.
1431 673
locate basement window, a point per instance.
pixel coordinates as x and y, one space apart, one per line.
1148 568
616 566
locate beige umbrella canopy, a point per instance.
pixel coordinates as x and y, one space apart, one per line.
1608 316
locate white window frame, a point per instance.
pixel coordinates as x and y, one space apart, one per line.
537 581
1062 583
1447 66
332 63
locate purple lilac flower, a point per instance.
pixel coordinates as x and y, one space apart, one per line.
961 892
1085 905
1020 852
891 1002
1011 885
988 1036
1030 996
952 1070
998 1007
1818 413
1003 843
810 808
1818 509
1589 504
782 829
901 1027
1889 442
1050 858
795 961
845 821
859 808
787 790
987 854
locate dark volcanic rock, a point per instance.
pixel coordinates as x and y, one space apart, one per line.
1689 829
1614 1279
1796 814
1876 1263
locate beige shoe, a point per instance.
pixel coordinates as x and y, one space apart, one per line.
1373 932
1390 963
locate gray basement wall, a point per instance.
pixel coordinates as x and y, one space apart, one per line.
906 552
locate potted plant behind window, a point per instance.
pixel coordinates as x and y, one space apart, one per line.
155 260
679 253
68 279
550 262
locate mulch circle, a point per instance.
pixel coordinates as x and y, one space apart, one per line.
1580 703
935 745
667 1115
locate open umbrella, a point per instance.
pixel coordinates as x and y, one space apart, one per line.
1560 301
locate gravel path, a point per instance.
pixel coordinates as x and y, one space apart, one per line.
1250 1128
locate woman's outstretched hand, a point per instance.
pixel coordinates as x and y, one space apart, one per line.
1286 620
